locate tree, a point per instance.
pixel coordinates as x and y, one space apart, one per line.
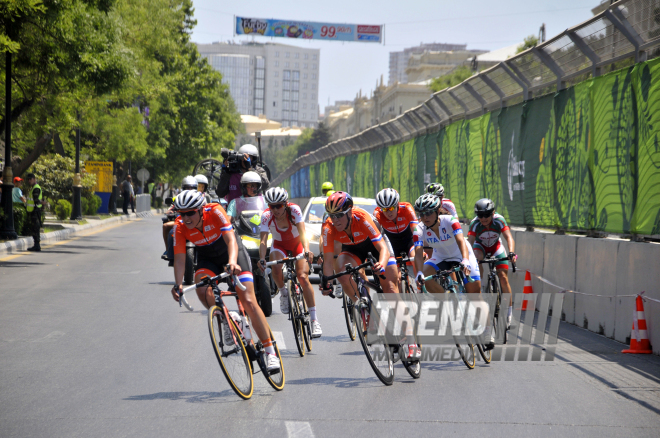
319 138
528 43
455 77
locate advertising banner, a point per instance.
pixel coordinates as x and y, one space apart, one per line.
309 30
103 187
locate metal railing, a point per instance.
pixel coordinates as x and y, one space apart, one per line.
627 29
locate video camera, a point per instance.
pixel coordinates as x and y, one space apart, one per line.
233 159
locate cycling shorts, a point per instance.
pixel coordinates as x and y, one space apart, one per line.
215 265
293 246
399 247
442 265
500 253
360 251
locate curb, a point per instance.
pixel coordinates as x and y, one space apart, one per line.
23 243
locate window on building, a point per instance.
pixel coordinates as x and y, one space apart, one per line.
286 85
260 62
286 64
294 95
296 65
304 95
297 55
304 105
313 86
286 54
304 85
276 113
313 106
294 106
277 84
274 104
296 75
306 55
260 73
313 96
294 115
277 63
295 85
313 66
305 75
287 74
285 105
260 83
313 75
286 95
285 114
259 93
276 93
305 65
276 74
314 57
277 54
304 116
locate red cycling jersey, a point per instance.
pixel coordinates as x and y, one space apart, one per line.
362 228
287 240
405 217
215 223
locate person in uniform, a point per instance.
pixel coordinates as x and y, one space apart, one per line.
34 206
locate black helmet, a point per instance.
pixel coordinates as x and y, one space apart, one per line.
484 207
436 189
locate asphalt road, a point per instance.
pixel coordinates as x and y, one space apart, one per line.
92 345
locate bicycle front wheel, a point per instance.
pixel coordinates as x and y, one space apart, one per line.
467 354
296 322
378 354
232 356
275 380
306 321
350 319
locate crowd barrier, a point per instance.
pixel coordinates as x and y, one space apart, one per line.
584 158
142 203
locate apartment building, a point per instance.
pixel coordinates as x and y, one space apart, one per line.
278 81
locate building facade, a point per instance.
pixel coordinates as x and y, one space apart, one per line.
275 80
399 60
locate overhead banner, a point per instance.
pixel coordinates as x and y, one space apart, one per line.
309 30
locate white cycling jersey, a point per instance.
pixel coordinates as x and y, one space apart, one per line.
444 245
448 205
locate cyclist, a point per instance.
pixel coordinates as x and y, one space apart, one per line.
251 199
203 186
447 207
398 220
444 234
484 236
284 220
326 187
218 249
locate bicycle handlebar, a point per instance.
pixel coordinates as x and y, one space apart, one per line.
285 260
492 260
206 281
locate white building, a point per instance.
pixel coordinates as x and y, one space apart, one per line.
276 80
399 60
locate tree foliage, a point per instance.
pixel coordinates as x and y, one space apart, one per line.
529 42
458 75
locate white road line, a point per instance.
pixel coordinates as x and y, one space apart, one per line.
299 429
279 338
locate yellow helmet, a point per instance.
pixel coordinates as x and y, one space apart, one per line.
329 192
326 186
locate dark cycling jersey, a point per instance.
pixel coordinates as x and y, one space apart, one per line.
488 237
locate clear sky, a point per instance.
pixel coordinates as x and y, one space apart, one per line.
345 68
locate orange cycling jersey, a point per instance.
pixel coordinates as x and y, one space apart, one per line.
362 228
215 223
405 217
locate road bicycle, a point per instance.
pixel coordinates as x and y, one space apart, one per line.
493 286
232 339
456 287
298 313
381 356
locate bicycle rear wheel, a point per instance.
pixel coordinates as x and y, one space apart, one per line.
486 354
467 354
350 319
275 380
233 359
296 322
413 368
378 354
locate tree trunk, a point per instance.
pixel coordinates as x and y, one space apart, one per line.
58 146
39 147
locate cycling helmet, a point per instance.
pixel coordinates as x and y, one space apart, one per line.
387 198
338 202
325 187
189 200
251 150
250 178
189 183
484 207
427 202
276 195
329 192
436 189
201 179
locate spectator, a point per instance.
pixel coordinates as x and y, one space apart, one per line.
17 193
128 194
34 198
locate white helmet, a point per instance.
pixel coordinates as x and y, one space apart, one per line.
201 179
250 178
276 195
387 198
189 200
252 151
189 183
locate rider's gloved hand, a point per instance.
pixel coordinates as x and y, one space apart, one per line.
233 268
177 290
513 256
262 265
326 287
419 278
466 266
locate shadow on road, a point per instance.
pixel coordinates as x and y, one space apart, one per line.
190 397
338 382
19 264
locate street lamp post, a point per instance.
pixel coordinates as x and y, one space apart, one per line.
76 211
7 227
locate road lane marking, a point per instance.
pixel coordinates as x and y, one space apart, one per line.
299 429
279 338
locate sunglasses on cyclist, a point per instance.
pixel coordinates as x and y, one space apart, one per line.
483 214
337 216
426 213
276 206
188 213
388 209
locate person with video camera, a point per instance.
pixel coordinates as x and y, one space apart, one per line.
235 164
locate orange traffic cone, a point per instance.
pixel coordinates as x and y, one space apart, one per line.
639 338
527 289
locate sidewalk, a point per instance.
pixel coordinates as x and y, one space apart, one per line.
70 230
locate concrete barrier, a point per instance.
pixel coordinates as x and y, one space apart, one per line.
559 267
